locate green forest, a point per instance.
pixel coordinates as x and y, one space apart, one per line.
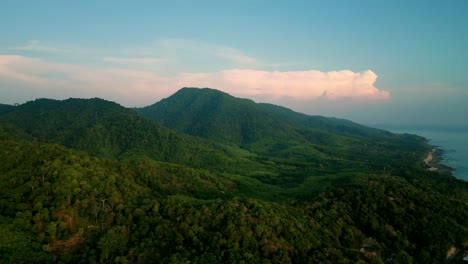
204 177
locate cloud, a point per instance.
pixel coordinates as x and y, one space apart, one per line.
132 87
235 56
40 78
209 52
144 61
301 85
20 68
34 45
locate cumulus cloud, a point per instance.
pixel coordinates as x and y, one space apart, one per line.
302 85
142 87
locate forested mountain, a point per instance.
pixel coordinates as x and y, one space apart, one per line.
106 129
89 181
217 115
299 144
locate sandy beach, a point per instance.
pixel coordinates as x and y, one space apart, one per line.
428 160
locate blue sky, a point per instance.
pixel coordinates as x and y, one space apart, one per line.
399 62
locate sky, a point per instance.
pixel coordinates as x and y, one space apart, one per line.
371 61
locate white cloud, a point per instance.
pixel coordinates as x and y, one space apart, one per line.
142 87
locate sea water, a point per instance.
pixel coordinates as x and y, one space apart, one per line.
453 141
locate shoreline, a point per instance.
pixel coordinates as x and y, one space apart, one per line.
428 160
433 159
450 141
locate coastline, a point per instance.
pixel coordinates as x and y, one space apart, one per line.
433 161
451 141
428 160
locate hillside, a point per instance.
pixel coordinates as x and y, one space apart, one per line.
217 115
106 129
4 108
297 143
90 181
61 205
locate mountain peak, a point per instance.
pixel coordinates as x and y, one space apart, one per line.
195 91
199 89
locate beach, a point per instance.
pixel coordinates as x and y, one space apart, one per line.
428 160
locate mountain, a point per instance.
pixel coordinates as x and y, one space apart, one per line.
90 181
276 133
217 115
106 129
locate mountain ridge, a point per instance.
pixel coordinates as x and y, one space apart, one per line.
187 103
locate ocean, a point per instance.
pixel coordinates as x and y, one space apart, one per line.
452 140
